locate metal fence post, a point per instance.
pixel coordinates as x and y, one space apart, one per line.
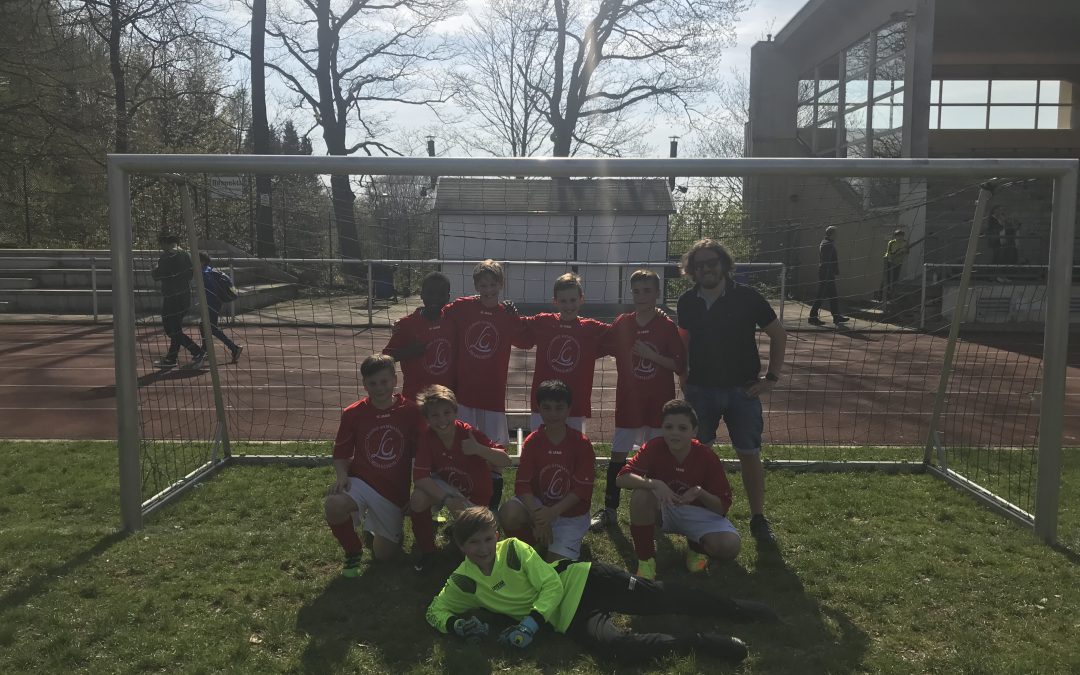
93 286
370 296
127 383
922 304
1055 356
783 290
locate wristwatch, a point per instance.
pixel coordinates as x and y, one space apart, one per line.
772 377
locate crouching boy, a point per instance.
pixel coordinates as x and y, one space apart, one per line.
576 598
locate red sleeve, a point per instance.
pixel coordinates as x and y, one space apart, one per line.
523 482
398 338
638 464
482 439
524 335
716 482
422 463
584 471
600 331
677 349
344 442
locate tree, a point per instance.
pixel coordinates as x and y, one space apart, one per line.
504 52
338 61
609 56
260 132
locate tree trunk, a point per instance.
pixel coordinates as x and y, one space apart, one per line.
260 133
116 67
345 218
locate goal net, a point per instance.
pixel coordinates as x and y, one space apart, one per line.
922 346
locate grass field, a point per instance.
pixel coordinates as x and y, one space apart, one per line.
878 573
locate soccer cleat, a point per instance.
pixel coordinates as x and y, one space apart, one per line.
165 362
646 569
236 353
814 321
352 565
423 563
723 646
696 562
197 360
761 530
605 517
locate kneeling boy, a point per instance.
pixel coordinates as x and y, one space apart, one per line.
575 598
373 453
682 483
453 467
555 478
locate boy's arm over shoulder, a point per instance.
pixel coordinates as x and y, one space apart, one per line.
458 595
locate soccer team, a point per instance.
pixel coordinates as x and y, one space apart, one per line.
446 435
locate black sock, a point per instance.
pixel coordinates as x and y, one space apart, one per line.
611 493
496 491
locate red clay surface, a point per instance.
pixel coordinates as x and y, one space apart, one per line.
839 388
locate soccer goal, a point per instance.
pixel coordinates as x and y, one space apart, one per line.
931 350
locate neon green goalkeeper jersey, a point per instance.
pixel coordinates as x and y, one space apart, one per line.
520 583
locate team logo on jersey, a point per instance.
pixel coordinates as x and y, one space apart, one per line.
563 353
458 480
644 369
482 339
554 483
384 445
437 356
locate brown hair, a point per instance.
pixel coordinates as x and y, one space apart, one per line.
488 266
677 406
472 520
566 282
645 275
376 363
436 393
716 247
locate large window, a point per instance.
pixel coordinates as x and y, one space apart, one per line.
852 105
1000 104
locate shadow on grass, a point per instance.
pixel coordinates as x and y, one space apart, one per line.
43 581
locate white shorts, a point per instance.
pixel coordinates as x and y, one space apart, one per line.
448 488
573 422
693 522
378 514
626 438
566 534
491 422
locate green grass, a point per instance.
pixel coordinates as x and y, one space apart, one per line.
879 573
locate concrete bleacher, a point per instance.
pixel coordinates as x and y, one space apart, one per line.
69 281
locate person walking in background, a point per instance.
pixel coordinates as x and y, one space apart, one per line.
174 272
219 289
828 270
896 252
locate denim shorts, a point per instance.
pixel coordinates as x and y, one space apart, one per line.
740 412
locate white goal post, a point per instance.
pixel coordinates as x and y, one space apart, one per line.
1063 174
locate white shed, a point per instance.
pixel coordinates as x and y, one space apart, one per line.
556 221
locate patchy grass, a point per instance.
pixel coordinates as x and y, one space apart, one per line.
878 573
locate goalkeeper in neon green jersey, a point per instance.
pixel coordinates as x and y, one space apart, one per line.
576 598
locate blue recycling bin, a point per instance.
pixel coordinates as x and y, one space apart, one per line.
382 276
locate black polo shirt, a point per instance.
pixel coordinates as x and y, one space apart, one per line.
723 337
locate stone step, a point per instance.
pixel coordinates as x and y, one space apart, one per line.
12 283
147 301
83 278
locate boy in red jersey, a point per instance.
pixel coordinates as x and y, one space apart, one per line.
682 483
567 347
373 452
648 352
554 483
486 329
452 468
423 342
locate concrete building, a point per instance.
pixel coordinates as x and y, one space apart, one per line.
908 78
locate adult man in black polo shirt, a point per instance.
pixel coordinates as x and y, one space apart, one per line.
718 319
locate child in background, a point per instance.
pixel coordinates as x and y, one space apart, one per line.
648 354
452 468
211 282
554 484
681 483
486 329
423 342
567 347
373 453
576 598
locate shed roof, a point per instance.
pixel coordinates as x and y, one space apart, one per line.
507 195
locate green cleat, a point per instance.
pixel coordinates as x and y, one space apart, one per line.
646 569
352 565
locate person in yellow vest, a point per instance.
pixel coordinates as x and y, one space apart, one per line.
896 252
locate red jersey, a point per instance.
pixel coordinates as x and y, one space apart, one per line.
700 467
468 473
380 444
567 351
436 364
549 472
484 337
643 386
